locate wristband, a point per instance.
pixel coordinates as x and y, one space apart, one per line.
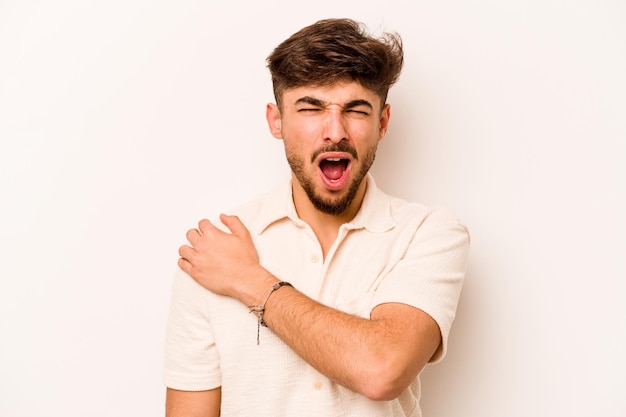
260 309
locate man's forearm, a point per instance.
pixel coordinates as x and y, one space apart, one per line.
377 357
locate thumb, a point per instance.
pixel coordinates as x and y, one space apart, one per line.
234 224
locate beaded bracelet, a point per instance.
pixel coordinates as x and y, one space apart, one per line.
260 309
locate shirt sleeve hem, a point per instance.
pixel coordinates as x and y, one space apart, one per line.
186 385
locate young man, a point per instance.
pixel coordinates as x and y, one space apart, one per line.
324 297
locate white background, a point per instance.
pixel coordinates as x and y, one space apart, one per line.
122 123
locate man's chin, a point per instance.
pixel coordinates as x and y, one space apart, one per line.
333 202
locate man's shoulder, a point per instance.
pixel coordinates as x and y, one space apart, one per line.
422 216
265 207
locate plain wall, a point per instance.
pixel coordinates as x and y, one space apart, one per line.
122 123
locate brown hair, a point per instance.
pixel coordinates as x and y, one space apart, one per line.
334 50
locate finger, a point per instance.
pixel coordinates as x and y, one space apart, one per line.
185 252
193 235
184 265
206 226
234 224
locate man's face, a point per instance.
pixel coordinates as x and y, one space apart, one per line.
330 135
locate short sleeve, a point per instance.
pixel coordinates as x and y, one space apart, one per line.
191 358
430 274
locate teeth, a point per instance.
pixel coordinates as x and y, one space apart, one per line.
333 159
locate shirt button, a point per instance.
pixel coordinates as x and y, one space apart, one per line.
314 258
318 385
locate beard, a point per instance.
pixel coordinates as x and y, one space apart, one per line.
333 206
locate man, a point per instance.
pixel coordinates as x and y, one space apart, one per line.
324 297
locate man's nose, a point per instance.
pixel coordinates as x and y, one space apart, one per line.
336 130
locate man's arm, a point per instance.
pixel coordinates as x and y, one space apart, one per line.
377 357
193 403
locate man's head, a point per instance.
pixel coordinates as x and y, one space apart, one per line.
330 83
334 50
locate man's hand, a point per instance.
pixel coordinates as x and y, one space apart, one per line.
225 263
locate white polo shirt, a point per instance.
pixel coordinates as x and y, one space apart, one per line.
392 251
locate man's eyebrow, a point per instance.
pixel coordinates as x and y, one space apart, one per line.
357 103
319 103
310 100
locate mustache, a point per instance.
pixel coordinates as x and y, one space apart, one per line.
335 147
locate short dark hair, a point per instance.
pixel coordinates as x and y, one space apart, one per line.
334 50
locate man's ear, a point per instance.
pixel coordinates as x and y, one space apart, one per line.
384 121
272 114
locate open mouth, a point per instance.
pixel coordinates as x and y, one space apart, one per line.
334 171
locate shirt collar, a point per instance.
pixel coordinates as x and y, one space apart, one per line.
374 215
375 212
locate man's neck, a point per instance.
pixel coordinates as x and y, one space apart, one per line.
324 225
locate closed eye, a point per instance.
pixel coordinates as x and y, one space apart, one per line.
310 109
358 114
